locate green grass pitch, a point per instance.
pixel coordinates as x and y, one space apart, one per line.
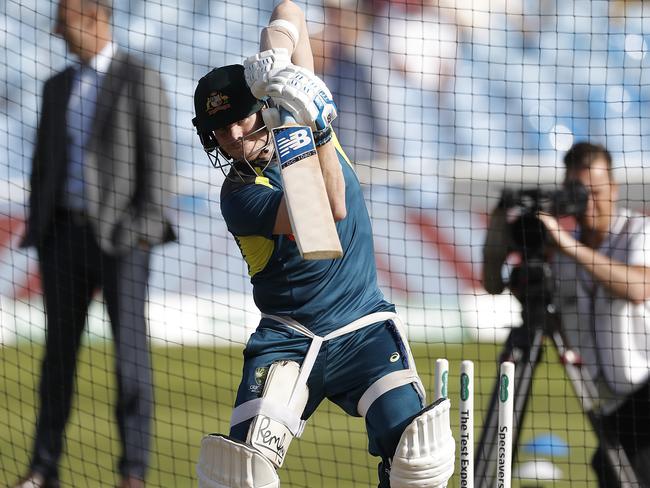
194 393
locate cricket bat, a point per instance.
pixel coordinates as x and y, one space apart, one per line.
304 191
307 201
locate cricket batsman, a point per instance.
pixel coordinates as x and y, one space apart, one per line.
326 329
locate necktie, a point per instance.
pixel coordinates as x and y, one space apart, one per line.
81 112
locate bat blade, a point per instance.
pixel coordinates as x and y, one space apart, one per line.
305 194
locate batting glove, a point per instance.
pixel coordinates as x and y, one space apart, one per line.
304 94
259 68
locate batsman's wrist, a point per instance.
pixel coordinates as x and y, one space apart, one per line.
322 137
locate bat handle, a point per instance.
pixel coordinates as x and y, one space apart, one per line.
285 117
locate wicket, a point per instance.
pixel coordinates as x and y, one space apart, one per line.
466 419
466 424
506 403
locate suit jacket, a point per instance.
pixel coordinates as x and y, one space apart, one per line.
128 159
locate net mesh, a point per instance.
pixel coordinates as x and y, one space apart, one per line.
441 105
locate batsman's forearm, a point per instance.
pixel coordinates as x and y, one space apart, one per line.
630 283
334 180
301 54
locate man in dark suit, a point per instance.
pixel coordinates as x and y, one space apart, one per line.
99 186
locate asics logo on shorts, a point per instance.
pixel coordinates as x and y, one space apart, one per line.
296 140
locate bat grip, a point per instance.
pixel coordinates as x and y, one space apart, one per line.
285 117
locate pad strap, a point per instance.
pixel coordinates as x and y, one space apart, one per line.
288 416
385 384
262 406
394 379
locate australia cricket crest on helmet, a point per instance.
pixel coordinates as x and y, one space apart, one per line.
217 101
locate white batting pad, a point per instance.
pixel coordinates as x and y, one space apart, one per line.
270 435
424 457
228 463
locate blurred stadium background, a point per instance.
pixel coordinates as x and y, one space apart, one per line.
441 106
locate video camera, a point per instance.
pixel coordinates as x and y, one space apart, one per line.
527 231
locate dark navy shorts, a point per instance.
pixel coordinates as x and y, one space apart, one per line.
344 369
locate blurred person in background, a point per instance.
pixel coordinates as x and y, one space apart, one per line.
340 51
100 181
390 63
602 275
413 62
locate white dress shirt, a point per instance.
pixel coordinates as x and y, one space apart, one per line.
611 334
80 116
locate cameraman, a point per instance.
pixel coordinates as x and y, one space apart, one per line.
602 273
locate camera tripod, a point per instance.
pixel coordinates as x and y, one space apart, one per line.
525 347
